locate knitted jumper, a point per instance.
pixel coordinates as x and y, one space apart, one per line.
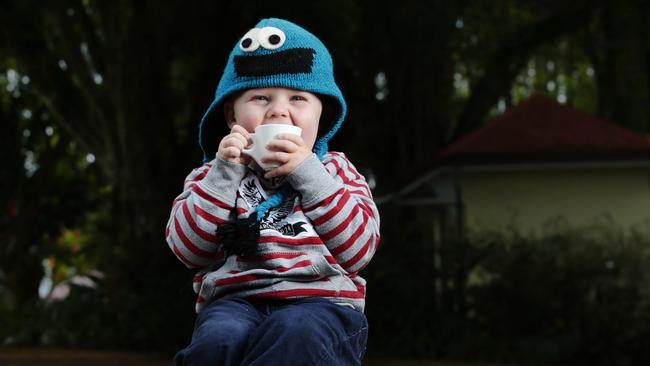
313 245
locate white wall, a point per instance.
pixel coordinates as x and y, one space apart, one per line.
494 200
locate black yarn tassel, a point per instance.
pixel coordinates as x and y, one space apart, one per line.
240 237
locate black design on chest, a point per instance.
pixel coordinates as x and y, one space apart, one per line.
251 193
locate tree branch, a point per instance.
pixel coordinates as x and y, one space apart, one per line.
505 64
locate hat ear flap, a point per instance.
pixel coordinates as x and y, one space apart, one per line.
329 115
210 131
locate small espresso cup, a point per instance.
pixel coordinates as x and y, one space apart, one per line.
262 136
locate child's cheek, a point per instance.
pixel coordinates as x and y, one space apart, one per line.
249 122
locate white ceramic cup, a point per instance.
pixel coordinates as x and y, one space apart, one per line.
262 136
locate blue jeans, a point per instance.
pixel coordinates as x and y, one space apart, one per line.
312 331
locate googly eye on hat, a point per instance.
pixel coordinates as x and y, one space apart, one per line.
249 41
271 38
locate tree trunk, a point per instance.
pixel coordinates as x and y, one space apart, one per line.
622 62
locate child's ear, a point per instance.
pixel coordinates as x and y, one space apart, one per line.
229 113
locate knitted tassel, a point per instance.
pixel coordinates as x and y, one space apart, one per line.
240 237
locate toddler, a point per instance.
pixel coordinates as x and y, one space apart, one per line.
277 251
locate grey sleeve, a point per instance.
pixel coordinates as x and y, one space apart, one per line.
313 181
223 179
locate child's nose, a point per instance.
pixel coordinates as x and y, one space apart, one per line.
278 110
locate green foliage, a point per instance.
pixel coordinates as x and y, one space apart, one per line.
560 71
566 298
569 297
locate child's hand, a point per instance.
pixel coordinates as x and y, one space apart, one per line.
231 146
289 151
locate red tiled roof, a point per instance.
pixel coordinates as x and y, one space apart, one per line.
542 130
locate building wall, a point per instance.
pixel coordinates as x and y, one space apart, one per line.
528 199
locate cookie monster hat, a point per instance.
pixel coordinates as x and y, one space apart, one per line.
276 53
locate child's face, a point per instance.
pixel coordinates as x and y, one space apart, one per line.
256 107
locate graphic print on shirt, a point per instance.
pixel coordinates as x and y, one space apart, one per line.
282 218
251 191
276 219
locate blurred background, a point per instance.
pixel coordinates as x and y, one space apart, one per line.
505 142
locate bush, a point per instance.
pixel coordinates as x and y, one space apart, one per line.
577 295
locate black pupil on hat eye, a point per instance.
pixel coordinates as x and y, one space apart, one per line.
247 42
274 39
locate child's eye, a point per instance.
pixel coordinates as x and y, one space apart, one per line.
260 97
298 97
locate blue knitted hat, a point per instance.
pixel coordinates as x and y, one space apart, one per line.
276 53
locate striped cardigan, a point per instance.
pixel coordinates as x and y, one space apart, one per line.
313 245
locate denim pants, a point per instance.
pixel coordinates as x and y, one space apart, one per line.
312 331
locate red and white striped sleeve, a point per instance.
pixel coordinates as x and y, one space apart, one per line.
338 201
208 198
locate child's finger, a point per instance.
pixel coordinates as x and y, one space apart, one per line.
277 172
241 134
235 140
296 139
242 140
276 157
240 130
281 145
231 152
271 173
